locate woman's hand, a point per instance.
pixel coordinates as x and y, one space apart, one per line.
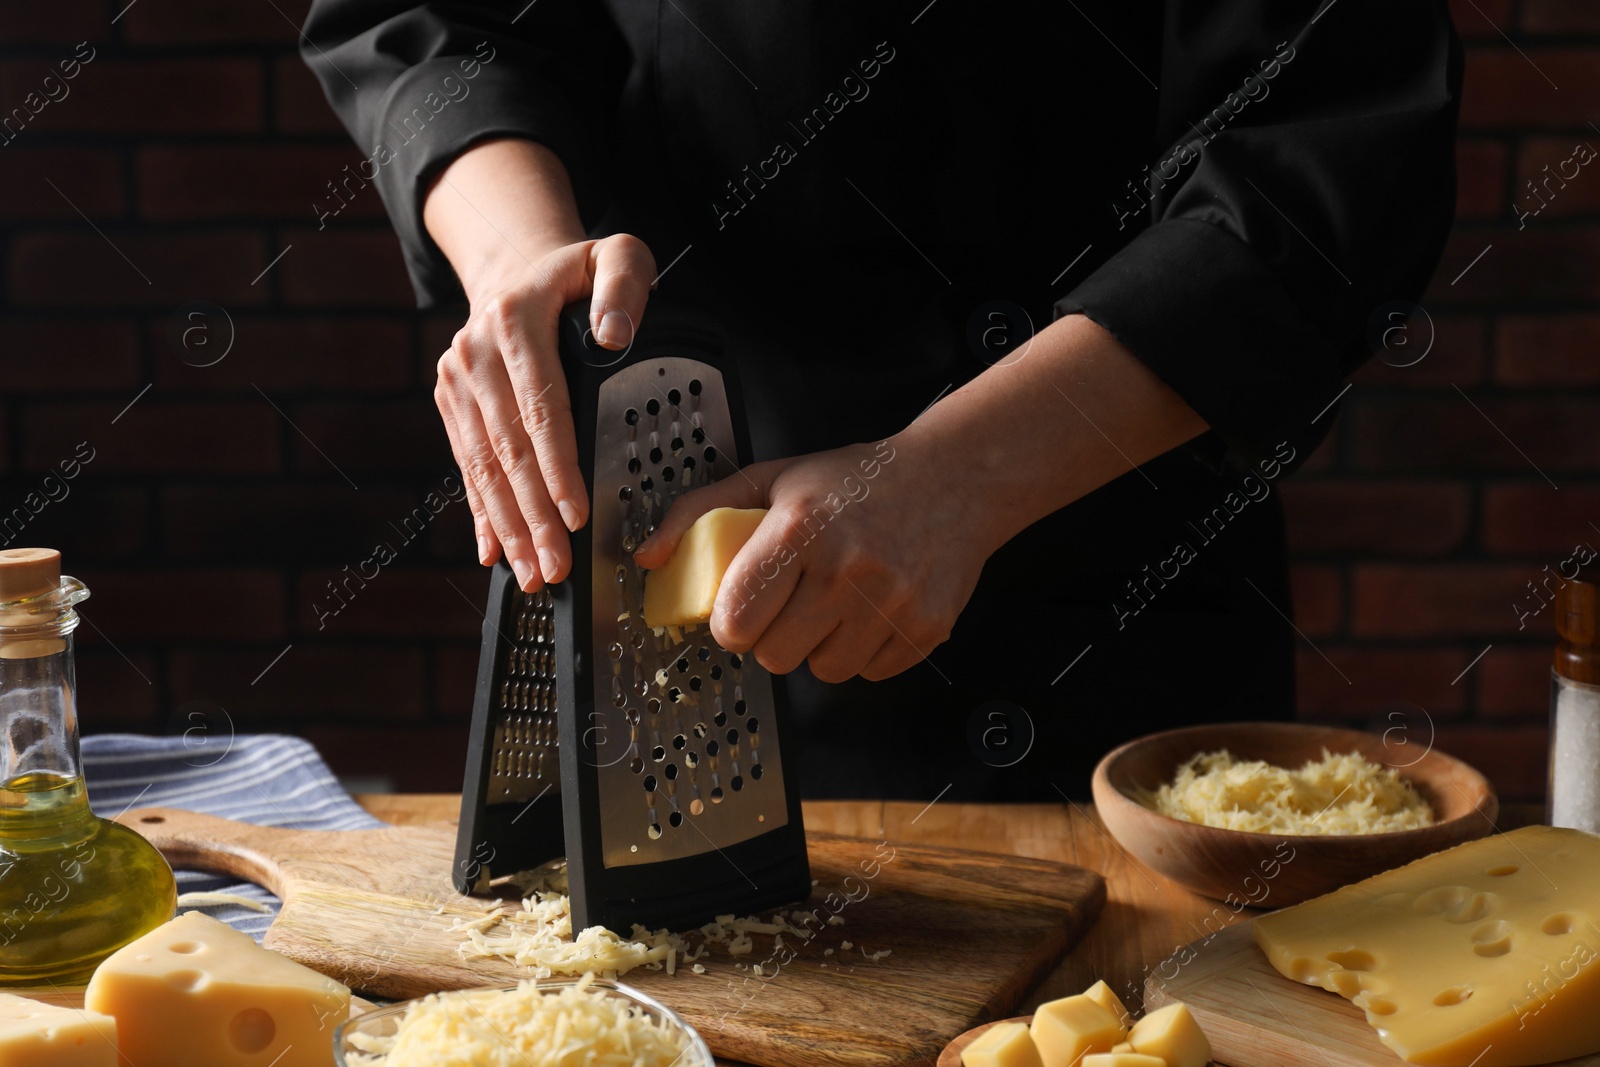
865 558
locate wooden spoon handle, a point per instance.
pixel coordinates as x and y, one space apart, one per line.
206 843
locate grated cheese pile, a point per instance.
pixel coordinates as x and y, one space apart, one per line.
575 1026
1342 793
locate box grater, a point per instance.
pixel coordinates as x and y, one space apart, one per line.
652 762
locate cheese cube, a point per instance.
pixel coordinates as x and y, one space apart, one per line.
34 1034
683 590
1101 994
1122 1046
1171 1034
196 991
1487 953
1066 1029
1002 1045
1121 1059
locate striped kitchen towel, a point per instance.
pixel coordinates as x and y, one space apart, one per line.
266 779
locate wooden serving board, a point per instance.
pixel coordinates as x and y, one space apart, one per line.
968 934
1255 1017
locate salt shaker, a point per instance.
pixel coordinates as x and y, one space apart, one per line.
1574 797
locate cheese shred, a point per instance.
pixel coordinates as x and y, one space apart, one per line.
1342 793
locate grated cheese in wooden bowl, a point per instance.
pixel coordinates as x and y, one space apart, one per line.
1342 793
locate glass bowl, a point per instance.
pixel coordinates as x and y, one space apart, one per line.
382 1022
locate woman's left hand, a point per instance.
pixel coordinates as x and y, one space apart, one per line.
865 558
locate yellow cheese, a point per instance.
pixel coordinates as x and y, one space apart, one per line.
1064 1030
1003 1045
1122 1046
33 1034
195 991
1486 954
1121 1059
682 591
1171 1034
1101 994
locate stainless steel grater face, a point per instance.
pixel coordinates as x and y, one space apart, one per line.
652 760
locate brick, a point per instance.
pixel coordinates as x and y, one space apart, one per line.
1318 599
153 437
415 759
284 356
1515 759
1381 681
65 24
1433 349
89 520
281 523
1534 266
194 604
455 677
1560 17
1508 89
1534 350
1560 187
1480 179
122 97
298 103
116 692
1448 434
1481 18
1514 682
68 354
1531 519
344 267
253 181
86 269
1383 519
1442 601
405 437
313 681
90 178
163 22
394 602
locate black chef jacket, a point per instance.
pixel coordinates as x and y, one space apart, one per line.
855 191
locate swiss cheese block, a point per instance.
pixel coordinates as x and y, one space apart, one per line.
1486 954
196 991
1064 1030
1002 1045
682 591
44 1035
1172 1035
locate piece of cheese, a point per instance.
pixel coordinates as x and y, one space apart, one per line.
196 991
1486 954
33 1034
1064 1030
1121 1059
1002 1045
1101 994
1173 1035
682 591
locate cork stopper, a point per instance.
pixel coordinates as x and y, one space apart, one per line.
1578 623
26 572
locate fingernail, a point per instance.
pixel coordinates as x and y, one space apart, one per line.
569 514
524 573
613 329
547 564
483 550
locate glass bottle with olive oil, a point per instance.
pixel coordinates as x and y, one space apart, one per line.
73 887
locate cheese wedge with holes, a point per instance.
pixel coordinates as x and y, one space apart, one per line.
196 991
1002 1045
682 591
1485 954
34 1034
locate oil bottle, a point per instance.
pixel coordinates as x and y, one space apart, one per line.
73 887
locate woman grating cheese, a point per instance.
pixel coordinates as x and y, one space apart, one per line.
1341 793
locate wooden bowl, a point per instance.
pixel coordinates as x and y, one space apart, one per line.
951 1056
1273 870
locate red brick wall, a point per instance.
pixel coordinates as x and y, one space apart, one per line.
210 519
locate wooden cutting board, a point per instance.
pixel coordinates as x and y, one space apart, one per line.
968 933
1255 1017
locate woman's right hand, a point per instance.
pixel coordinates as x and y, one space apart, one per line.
503 395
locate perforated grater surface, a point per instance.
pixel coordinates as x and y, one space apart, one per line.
653 762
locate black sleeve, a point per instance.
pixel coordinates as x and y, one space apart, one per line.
1307 178
416 84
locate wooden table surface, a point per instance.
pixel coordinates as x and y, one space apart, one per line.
1145 917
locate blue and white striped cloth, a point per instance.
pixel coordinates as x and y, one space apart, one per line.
266 779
